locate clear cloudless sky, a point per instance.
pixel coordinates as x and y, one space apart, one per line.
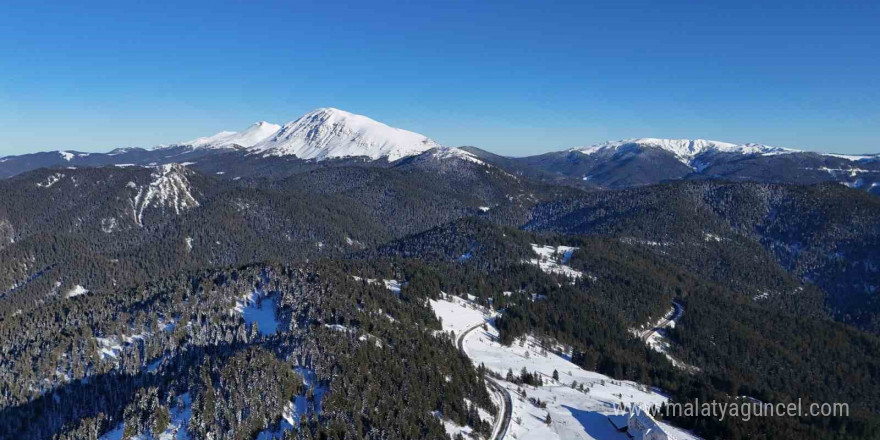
515 78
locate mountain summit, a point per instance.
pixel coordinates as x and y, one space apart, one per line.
332 133
325 133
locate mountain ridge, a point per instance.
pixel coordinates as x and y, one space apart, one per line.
332 136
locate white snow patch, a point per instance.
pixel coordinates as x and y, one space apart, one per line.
368 280
351 242
337 327
453 429
51 180
634 241
393 285
77 291
110 347
108 225
712 237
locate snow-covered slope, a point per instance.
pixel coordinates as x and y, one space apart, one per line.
581 412
169 189
331 133
226 139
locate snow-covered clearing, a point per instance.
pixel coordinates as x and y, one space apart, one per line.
258 308
300 406
457 315
553 260
112 346
176 429
574 414
393 285
452 428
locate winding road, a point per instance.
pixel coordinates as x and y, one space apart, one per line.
674 314
502 420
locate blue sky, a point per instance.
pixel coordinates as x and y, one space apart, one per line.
515 78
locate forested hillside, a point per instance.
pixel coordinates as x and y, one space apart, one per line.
825 235
142 302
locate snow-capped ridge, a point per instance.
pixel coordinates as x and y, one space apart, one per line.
456 153
228 139
686 148
854 157
687 151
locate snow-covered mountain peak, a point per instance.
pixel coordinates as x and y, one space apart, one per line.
332 133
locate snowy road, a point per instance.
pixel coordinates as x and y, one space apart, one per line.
673 315
502 420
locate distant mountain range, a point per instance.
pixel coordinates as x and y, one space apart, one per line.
638 162
328 137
